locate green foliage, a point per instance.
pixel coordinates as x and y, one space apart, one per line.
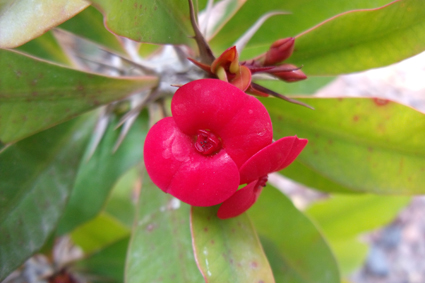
36 95
396 28
148 21
98 173
45 47
228 250
54 183
304 15
297 251
89 24
343 218
382 138
23 20
37 177
161 236
107 265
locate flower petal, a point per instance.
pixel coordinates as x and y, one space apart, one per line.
240 202
177 168
272 158
240 120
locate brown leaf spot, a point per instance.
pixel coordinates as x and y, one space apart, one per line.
254 264
155 7
150 227
355 118
381 101
212 242
206 229
135 5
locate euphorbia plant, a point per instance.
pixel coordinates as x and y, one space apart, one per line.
66 171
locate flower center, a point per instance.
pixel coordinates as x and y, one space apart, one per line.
207 143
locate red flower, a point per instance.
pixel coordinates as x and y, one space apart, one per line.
254 171
196 154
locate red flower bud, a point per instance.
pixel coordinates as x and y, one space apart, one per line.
288 72
279 51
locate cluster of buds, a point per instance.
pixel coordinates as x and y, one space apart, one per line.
227 67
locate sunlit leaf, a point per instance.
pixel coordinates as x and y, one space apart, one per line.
296 249
163 22
228 250
37 175
361 40
342 217
98 233
350 254
305 14
161 245
97 175
23 20
363 144
35 95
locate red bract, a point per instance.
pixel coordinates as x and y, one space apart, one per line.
196 154
254 171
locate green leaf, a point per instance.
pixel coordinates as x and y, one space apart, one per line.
89 24
301 173
228 250
363 144
106 265
161 245
36 95
121 204
98 233
341 217
97 176
46 47
161 21
350 254
308 86
355 41
222 12
297 251
304 14
23 20
37 176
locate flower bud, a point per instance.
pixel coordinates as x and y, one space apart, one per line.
279 51
288 72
